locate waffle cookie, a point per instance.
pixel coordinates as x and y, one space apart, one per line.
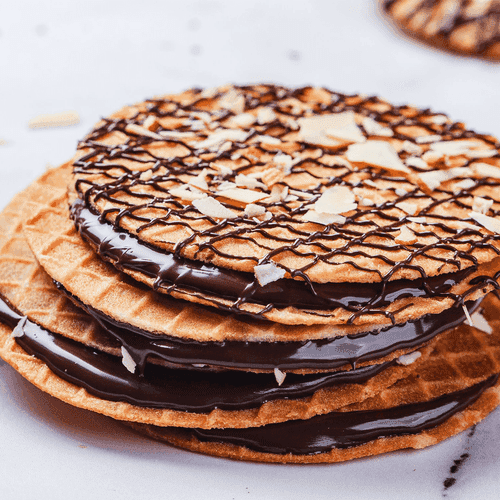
467 27
253 271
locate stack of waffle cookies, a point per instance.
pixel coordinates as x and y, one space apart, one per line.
263 273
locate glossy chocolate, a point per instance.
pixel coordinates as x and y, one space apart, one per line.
169 270
310 354
105 376
323 433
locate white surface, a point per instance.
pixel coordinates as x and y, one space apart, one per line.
96 56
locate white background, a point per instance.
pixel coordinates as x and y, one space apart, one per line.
96 56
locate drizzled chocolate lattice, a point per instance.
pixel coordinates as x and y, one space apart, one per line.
466 26
302 184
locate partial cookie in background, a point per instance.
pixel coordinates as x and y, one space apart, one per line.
469 27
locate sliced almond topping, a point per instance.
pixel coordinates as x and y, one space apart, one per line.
330 130
434 178
452 148
244 120
414 161
252 210
465 184
322 218
221 136
272 176
284 162
243 195
412 148
408 359
265 115
467 315
267 273
280 376
200 181
212 208
489 223
378 153
440 119
373 127
127 360
233 101
243 180
406 236
64 119
482 153
138 130
409 208
266 139
481 323
184 193
426 139
481 205
486 170
336 200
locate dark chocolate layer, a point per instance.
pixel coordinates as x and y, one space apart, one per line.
170 271
105 376
310 354
323 433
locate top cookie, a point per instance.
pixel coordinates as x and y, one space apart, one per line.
302 183
468 27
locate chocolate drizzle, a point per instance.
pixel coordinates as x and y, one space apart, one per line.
485 20
322 433
113 176
310 354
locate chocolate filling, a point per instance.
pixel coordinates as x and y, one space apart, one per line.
171 271
105 376
308 354
323 433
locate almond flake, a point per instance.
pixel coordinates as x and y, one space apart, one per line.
265 115
482 153
490 223
243 180
486 170
434 178
426 139
330 130
467 315
18 331
408 359
200 181
284 162
400 191
244 120
465 184
226 185
336 200
414 161
138 130
266 139
378 153
212 208
184 193
64 119
279 375
127 360
272 176
151 123
412 148
452 148
322 218
406 235
481 205
439 119
252 210
373 127
409 208
481 323
267 273
243 195
233 101
221 136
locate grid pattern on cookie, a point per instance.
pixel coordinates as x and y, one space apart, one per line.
26 285
69 260
151 183
469 26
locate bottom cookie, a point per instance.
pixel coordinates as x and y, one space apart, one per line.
341 436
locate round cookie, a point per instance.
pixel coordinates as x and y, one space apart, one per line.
468 28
